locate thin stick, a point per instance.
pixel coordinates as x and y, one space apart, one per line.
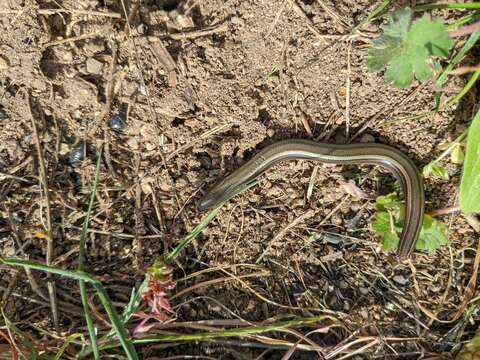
72 39
13 226
311 183
444 211
308 22
73 12
465 30
199 33
347 94
50 245
282 232
81 262
277 17
198 139
34 285
9 290
335 17
464 70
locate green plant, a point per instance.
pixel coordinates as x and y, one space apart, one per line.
455 149
470 184
389 223
102 294
408 49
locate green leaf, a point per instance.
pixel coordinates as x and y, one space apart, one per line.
273 78
389 201
431 35
470 184
457 156
407 48
384 226
470 350
435 170
432 235
388 46
389 222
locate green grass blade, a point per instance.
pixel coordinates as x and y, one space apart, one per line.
463 20
373 15
245 331
88 318
473 79
203 224
81 263
77 275
249 330
133 304
102 294
193 234
462 6
472 40
67 342
117 323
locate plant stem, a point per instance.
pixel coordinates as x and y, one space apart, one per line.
465 30
452 145
473 79
81 263
464 6
249 330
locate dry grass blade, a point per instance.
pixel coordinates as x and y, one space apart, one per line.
347 92
81 262
307 215
13 350
335 16
308 22
199 33
198 139
44 182
305 338
360 350
59 11
73 39
471 287
215 281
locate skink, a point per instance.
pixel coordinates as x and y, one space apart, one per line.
366 153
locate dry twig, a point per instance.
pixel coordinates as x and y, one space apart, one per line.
50 244
59 11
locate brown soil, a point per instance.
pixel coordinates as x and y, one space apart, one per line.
196 107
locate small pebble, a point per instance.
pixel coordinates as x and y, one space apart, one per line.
296 289
390 306
367 138
117 123
363 291
4 63
77 154
399 279
94 66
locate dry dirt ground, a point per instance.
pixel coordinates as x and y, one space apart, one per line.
202 85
